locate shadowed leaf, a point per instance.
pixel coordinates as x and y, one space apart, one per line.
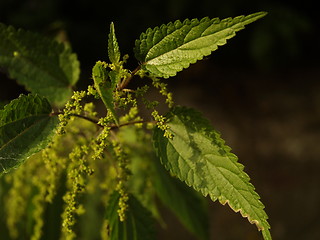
26 127
138 223
42 65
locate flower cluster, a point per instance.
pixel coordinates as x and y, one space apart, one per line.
72 107
161 124
123 175
78 172
163 90
100 144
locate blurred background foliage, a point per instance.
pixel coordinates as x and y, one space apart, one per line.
261 91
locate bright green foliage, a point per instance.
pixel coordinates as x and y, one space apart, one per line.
113 47
26 126
42 65
138 224
168 49
198 156
101 171
104 86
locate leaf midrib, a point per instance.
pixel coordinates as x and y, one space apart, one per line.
25 130
261 222
64 81
25 55
235 28
184 43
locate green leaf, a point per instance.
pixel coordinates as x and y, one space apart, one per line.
138 224
26 127
105 86
113 47
183 201
198 156
42 65
168 49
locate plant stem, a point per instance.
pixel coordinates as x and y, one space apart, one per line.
128 79
95 121
87 118
113 126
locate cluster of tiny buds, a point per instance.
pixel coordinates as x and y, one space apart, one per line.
72 107
79 170
100 143
163 90
123 201
161 124
123 176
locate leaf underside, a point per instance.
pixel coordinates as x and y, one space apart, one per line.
26 127
42 65
198 156
138 224
168 49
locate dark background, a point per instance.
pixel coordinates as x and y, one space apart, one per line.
261 91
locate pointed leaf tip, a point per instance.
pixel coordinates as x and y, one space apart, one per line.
113 46
198 156
168 49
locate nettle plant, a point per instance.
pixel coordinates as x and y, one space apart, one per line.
86 175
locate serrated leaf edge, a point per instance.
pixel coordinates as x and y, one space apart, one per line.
262 225
148 63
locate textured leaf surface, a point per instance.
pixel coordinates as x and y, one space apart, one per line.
188 205
26 126
104 86
138 224
168 49
113 47
42 65
198 156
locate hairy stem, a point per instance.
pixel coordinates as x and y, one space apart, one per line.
113 126
126 81
95 121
